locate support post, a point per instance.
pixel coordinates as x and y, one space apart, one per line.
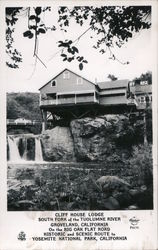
56 99
75 98
95 96
44 120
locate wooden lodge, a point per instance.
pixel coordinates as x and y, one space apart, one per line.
142 92
70 95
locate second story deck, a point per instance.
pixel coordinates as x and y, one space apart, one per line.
70 89
69 98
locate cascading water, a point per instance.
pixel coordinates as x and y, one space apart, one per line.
13 149
24 157
38 150
20 149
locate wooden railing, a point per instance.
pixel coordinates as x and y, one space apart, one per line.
76 99
48 102
22 122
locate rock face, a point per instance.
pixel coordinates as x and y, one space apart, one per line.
58 145
87 139
94 138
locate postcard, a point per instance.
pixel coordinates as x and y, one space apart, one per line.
78 126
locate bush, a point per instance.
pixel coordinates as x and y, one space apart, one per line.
141 164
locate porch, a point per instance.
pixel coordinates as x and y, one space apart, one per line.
69 98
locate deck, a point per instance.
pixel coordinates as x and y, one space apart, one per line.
70 98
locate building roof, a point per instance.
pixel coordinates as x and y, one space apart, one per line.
69 71
113 84
141 88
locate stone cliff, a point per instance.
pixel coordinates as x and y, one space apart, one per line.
86 139
57 144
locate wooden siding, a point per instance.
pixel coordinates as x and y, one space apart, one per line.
113 91
68 85
113 100
71 91
114 84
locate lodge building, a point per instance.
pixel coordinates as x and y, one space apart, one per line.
70 95
143 94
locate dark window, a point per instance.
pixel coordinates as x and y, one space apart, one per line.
142 99
66 96
117 94
53 83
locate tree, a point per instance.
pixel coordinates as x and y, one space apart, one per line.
145 77
112 77
23 105
147 114
113 26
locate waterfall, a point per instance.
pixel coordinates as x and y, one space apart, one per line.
20 149
24 140
38 150
13 149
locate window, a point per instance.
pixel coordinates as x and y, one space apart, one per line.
79 80
144 83
53 83
66 75
142 99
149 98
132 84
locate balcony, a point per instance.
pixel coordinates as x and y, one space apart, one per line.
48 102
71 99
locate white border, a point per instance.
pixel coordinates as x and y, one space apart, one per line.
13 222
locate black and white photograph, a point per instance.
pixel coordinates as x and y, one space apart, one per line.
79 109
80 139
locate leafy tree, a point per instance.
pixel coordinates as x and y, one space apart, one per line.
145 77
141 164
23 105
12 108
14 55
113 26
112 77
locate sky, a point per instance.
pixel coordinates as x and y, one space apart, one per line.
30 77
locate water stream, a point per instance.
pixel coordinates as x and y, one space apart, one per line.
20 149
38 150
14 154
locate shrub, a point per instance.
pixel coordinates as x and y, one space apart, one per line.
141 164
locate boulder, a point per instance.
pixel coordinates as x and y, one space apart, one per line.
94 137
86 139
57 144
124 198
111 204
112 183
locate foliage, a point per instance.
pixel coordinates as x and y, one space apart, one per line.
130 131
11 19
23 105
145 77
76 188
113 26
141 164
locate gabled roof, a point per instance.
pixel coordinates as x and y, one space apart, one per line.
113 84
71 72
